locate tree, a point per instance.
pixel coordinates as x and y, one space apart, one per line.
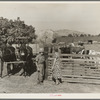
46 37
55 35
70 35
54 40
89 34
16 28
82 35
98 34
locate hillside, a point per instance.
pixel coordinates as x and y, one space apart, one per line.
63 35
66 32
62 32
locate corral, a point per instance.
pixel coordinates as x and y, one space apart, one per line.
78 70
77 67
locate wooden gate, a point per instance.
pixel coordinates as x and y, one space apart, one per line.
78 68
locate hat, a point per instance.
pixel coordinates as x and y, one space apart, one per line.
41 50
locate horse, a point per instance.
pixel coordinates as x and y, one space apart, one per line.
26 55
7 54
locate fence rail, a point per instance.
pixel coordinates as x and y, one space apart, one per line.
75 55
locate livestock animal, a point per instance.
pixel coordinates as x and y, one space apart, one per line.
81 43
90 52
71 50
7 54
22 53
90 41
26 55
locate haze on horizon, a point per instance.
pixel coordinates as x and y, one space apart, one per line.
83 17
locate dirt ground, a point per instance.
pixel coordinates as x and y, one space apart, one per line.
21 84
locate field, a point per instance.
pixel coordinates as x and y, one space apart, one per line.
95 47
21 84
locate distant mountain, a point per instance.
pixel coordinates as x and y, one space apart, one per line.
48 35
66 32
62 32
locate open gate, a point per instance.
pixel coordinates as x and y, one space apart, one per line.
78 68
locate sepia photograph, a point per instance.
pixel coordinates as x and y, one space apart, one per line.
49 48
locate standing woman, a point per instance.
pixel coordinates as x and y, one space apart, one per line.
56 68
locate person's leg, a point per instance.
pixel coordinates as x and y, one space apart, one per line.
57 81
41 77
41 73
8 69
38 79
14 69
54 79
60 80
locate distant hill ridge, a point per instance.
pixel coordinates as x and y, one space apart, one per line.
66 32
61 32
65 35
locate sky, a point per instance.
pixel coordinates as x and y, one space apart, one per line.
79 16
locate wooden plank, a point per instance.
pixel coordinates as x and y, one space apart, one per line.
92 71
79 67
72 60
64 67
77 76
66 72
78 64
80 71
88 77
76 60
15 62
89 81
79 80
76 55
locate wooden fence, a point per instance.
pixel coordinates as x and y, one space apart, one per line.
78 68
3 67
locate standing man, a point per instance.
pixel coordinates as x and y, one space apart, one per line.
40 62
29 61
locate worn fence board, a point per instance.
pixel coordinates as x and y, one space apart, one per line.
3 67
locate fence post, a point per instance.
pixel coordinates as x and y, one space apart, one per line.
46 70
1 65
46 62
